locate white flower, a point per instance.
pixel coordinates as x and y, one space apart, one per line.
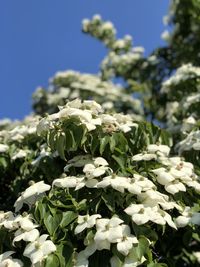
84 116
174 187
68 182
162 176
140 213
39 249
166 36
158 149
197 255
188 216
98 168
82 257
78 161
7 220
86 221
20 154
77 182
25 222
116 182
139 183
7 261
108 231
3 148
31 194
28 236
125 244
144 156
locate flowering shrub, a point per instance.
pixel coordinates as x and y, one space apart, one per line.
86 180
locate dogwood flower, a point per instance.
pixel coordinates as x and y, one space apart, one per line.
7 261
197 255
25 222
153 198
108 231
141 214
158 149
28 236
7 220
143 156
68 182
116 182
39 249
78 161
20 154
139 184
3 148
82 257
188 216
86 221
31 194
98 168
125 243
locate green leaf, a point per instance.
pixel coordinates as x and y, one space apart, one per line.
112 142
65 255
70 142
67 218
109 201
103 142
52 223
60 145
155 264
143 247
51 139
52 261
121 160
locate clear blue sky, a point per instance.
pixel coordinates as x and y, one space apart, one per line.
40 37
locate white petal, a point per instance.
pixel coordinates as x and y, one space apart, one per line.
48 247
100 162
124 247
31 236
79 228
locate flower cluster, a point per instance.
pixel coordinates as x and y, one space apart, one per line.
24 229
69 85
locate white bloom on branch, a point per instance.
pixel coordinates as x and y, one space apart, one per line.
139 184
7 261
188 216
116 182
144 156
31 194
125 243
39 249
20 154
7 220
158 149
3 148
108 231
141 214
98 168
86 221
28 236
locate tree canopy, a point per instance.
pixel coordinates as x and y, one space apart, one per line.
105 174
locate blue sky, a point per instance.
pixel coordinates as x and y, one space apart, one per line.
38 38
